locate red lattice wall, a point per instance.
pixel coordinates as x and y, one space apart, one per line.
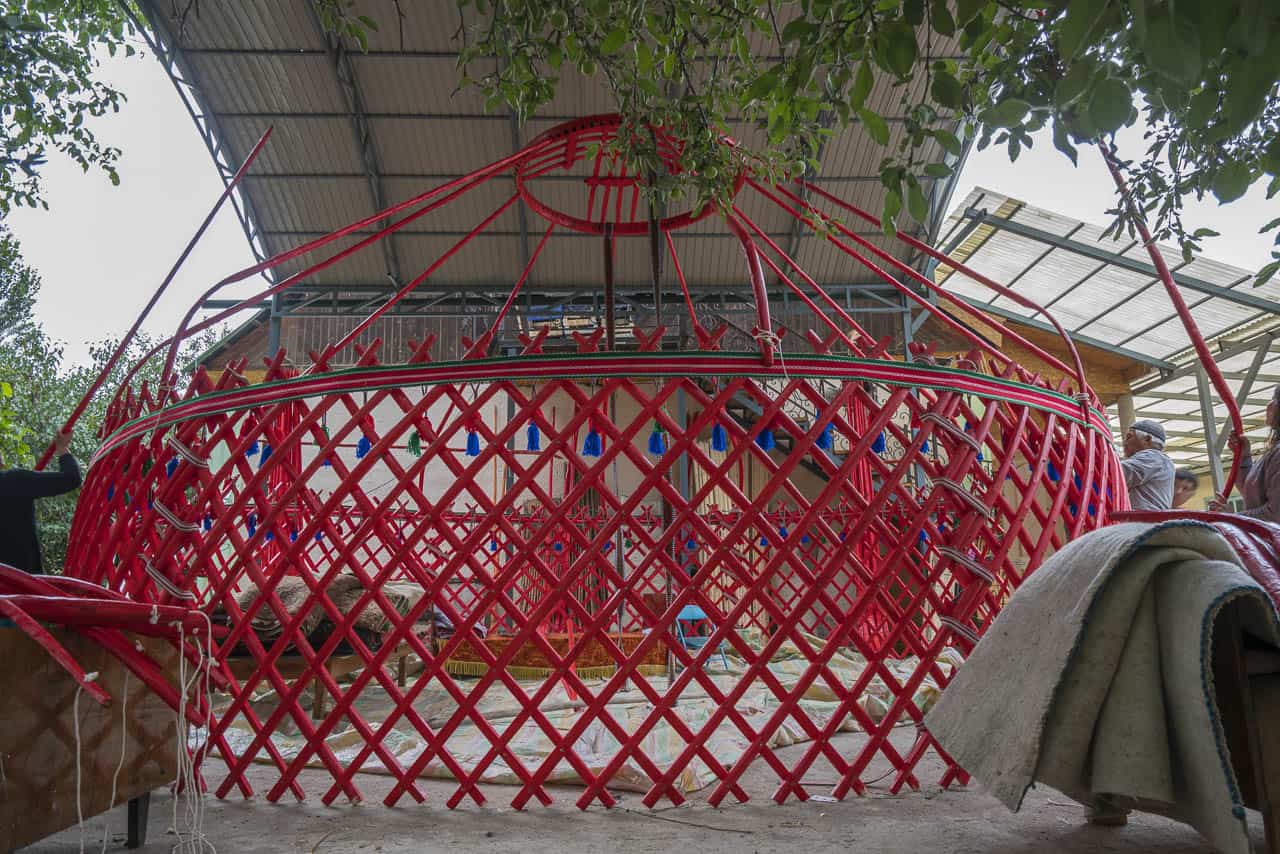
864 506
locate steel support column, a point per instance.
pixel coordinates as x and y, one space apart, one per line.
1210 426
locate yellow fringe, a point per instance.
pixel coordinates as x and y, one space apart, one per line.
478 668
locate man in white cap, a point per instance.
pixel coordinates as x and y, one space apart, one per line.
1148 471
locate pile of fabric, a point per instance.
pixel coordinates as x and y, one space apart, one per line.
1097 678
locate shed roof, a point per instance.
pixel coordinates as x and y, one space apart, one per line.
1106 293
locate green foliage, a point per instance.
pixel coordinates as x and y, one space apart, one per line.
49 51
1202 74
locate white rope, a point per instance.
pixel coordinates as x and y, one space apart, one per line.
75 725
191 839
115 778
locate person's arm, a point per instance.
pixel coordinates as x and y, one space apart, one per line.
21 483
1269 509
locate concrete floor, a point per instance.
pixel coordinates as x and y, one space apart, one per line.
958 821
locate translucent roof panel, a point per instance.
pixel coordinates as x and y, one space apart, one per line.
1105 290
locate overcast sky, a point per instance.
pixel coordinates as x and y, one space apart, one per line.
102 250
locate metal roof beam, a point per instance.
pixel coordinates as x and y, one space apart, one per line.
359 118
441 117
1152 361
1224 352
695 235
1188 282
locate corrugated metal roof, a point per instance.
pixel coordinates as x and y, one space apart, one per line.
1063 265
354 129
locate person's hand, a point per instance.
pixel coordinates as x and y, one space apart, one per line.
1217 505
1239 443
61 441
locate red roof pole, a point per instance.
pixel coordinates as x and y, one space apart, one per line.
173 271
1184 314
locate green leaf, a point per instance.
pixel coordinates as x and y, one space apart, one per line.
763 85
797 29
1006 114
1062 142
938 170
892 206
917 204
6 390
1109 105
1073 84
1249 83
1271 158
896 48
1083 17
941 19
1203 105
949 141
862 85
1173 48
913 12
614 41
1231 182
876 127
1266 273
1275 223
967 10
947 91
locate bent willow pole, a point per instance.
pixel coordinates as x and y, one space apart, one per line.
155 297
1184 314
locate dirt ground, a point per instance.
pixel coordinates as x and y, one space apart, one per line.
957 821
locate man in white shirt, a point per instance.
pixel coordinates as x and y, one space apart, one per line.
1148 471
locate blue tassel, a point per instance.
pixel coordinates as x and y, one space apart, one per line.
968 428
608 547
879 444
1071 506
691 544
1077 481
293 535
719 438
558 546
924 446
1093 509
923 537
328 463
208 522
473 443
111 491
825 440
765 440
266 454
170 467
534 437
764 541
979 456
252 449
363 447
493 545
782 531
268 536
251 524
804 541
151 503
319 536
1053 472
657 442
842 536
591 445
